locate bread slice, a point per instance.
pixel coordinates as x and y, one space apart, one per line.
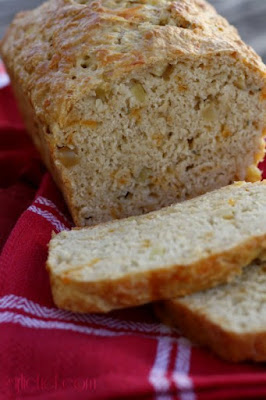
230 319
171 252
135 105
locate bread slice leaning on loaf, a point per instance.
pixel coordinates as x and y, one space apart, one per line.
177 250
230 319
135 105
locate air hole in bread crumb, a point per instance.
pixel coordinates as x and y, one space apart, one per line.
168 72
190 166
126 195
169 135
190 143
197 103
85 62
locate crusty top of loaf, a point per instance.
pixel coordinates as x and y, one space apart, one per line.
61 50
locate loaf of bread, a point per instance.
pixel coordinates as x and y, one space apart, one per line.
177 250
137 104
230 319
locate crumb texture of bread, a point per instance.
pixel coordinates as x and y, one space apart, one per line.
172 252
230 319
135 105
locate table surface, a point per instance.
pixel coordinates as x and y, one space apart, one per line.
249 16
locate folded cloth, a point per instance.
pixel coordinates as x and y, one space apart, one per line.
46 353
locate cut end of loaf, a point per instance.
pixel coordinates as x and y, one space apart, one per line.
160 136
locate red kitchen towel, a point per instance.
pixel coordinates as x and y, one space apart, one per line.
46 353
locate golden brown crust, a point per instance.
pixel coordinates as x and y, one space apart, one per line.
196 326
136 289
44 144
46 49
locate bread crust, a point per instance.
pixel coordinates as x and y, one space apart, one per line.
230 346
140 288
